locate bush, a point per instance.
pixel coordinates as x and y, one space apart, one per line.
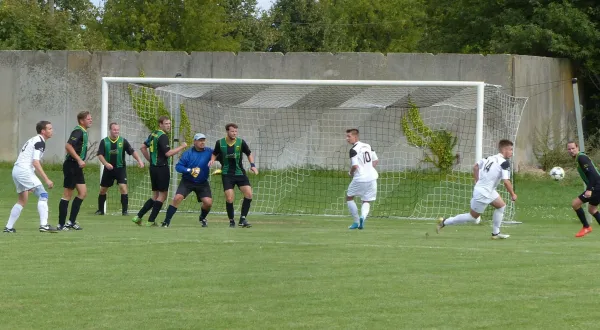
550 151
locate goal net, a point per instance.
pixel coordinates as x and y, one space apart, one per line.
427 135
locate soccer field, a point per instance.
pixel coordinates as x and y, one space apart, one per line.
300 272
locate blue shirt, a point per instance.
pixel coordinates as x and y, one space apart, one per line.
193 158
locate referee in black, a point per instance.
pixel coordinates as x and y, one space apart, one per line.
111 153
157 151
76 147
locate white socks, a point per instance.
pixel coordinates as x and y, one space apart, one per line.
14 215
43 211
459 219
364 210
353 210
497 220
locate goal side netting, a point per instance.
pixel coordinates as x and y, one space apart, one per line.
427 136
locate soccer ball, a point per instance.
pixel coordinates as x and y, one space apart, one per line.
557 173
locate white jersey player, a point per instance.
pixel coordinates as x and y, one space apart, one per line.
488 173
23 173
363 160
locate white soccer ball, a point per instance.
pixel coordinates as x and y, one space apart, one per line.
557 173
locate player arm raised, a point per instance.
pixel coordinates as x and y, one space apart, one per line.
163 141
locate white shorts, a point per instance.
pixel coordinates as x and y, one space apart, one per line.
367 191
479 202
24 179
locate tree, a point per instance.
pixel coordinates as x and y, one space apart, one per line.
347 25
26 25
191 25
553 28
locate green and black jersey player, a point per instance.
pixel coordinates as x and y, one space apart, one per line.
157 151
73 165
111 153
589 173
228 151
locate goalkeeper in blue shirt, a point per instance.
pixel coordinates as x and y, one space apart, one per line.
193 165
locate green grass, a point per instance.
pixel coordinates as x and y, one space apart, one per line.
301 272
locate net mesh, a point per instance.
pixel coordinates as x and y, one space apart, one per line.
296 133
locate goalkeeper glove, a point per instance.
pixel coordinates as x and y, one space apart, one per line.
195 172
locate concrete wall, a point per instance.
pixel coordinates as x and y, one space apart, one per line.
56 85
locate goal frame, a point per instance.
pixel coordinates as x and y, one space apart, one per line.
478 85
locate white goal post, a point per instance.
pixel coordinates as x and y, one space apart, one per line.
296 130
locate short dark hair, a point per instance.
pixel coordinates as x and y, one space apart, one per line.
40 126
162 119
353 131
82 115
504 143
111 125
575 143
230 125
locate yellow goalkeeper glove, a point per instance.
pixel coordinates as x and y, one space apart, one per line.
216 172
195 172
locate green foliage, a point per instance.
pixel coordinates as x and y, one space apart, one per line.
550 151
185 127
191 25
441 144
147 105
347 25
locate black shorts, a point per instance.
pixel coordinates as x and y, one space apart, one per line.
160 178
73 174
230 181
201 189
109 177
594 199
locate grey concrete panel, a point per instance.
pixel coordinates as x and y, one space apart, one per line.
61 83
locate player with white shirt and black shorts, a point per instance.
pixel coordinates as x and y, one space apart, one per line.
363 160
488 173
23 173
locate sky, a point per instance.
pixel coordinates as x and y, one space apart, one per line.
262 4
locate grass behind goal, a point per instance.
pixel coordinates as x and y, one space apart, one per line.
300 272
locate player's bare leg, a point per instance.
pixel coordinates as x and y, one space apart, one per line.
247 191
